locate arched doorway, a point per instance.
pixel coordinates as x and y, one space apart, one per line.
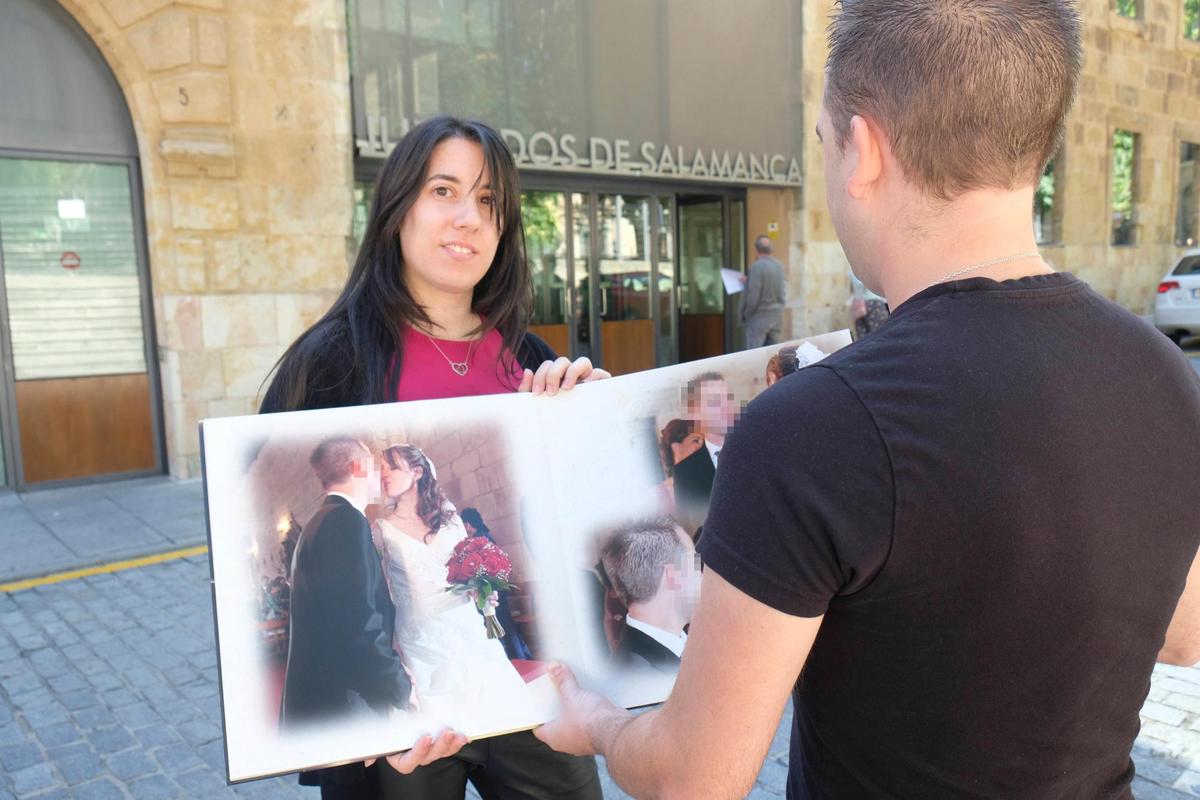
79 393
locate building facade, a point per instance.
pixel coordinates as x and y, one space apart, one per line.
182 181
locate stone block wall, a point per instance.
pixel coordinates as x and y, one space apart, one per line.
1139 75
242 112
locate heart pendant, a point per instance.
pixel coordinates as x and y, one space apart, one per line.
459 367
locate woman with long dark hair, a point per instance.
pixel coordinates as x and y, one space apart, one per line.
438 305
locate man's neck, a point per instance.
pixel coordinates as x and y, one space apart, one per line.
717 439
976 228
659 613
347 491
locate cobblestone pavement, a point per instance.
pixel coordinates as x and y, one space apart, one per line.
108 689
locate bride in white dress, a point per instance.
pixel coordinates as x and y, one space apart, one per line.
460 678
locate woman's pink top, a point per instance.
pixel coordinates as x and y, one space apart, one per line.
425 373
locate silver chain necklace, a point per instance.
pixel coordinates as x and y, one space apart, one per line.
982 264
460 367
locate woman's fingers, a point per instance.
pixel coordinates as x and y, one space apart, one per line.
597 375
562 373
578 371
539 377
549 376
426 751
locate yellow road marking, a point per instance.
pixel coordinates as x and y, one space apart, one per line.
102 569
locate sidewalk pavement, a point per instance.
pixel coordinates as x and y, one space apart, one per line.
108 683
55 530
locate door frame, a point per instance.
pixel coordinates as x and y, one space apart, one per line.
727 197
9 423
9 433
669 193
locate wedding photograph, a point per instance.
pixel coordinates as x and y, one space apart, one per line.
690 433
403 577
649 572
385 584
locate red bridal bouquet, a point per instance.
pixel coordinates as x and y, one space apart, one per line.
479 567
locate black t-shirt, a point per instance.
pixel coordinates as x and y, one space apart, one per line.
991 501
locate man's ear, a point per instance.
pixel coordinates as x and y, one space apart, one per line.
864 157
672 579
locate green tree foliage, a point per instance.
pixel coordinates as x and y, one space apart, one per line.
539 213
542 217
1128 8
1043 206
1191 19
1124 156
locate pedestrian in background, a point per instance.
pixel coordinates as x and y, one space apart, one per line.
868 309
764 297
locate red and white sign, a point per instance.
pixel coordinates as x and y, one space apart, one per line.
70 260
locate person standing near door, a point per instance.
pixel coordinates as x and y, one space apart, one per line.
764 298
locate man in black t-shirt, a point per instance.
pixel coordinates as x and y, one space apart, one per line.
954 527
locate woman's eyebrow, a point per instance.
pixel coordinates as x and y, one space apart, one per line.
441 176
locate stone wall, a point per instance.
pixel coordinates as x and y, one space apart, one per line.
1139 75
242 112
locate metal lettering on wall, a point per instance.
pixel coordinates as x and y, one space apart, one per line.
567 153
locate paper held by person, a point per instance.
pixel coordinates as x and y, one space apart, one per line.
734 281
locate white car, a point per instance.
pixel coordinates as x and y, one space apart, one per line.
1177 305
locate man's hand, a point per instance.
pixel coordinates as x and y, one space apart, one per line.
425 751
562 374
588 724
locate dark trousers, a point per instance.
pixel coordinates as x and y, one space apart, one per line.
515 766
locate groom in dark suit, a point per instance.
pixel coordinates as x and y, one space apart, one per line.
652 566
340 656
710 405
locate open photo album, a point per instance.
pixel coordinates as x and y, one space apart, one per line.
387 571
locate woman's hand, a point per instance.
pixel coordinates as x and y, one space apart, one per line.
562 374
425 751
493 598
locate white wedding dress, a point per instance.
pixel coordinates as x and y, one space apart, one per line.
461 679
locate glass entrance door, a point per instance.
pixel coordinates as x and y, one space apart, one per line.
624 279
77 384
632 280
544 215
702 293
593 251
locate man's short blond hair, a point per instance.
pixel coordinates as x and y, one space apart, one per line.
971 94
